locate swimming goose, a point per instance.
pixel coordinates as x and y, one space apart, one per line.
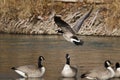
68 70
117 70
69 33
100 74
31 70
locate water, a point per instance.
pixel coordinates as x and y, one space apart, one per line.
17 50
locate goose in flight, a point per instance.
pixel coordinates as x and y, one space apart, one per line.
68 32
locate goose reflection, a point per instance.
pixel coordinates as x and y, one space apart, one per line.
68 78
30 79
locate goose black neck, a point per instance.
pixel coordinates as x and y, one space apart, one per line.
68 61
106 65
40 64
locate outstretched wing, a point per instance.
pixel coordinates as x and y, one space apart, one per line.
63 25
78 25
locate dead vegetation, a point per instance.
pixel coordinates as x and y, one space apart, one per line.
113 15
25 8
31 16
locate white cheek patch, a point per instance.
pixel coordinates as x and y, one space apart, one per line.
42 58
68 56
108 64
75 40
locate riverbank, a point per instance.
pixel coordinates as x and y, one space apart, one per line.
26 19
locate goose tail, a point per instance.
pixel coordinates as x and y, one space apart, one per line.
13 68
20 72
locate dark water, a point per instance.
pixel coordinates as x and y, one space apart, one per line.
17 50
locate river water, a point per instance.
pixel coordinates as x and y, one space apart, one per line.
17 50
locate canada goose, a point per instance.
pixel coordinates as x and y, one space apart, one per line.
117 70
31 70
100 74
68 70
69 33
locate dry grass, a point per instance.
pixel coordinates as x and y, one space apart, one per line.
26 8
15 15
113 15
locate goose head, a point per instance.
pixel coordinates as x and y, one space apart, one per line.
57 18
76 41
117 65
108 67
107 63
67 59
40 59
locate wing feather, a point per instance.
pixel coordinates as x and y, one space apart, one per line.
63 25
78 25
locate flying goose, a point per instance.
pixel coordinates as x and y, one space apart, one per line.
31 70
117 70
100 74
68 32
68 70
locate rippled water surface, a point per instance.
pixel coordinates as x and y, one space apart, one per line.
17 50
